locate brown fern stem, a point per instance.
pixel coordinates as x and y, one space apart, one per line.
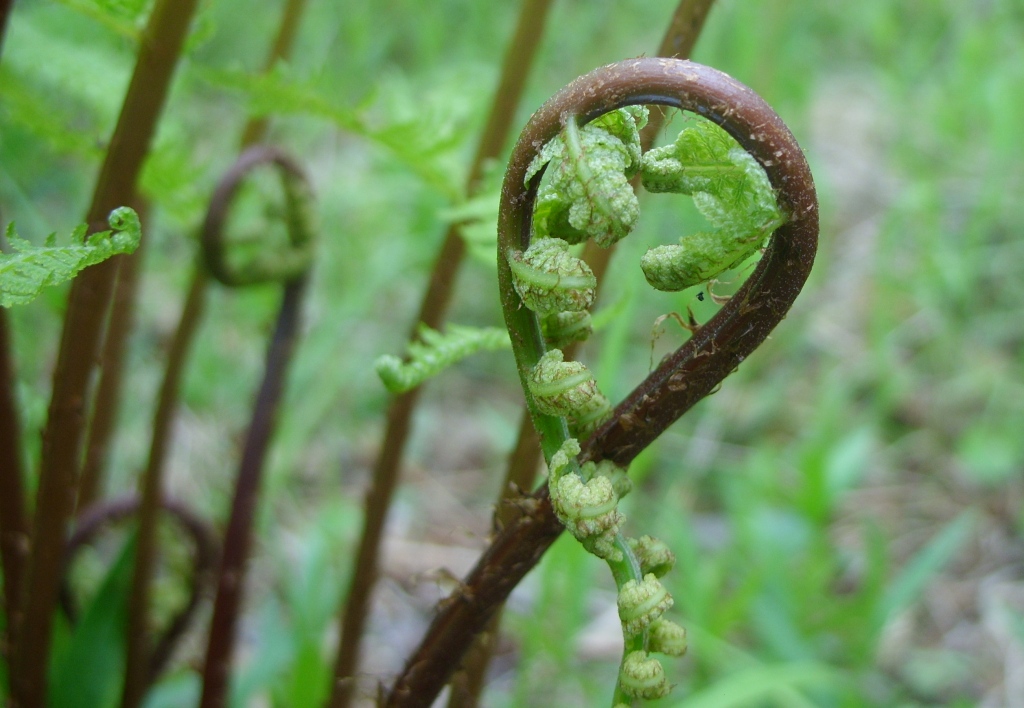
161 45
140 672
13 517
238 535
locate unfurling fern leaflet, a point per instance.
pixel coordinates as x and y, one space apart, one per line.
435 353
728 187
587 194
25 272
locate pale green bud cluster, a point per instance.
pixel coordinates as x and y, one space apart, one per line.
728 187
549 279
589 510
641 603
643 677
655 556
588 194
563 328
567 389
667 637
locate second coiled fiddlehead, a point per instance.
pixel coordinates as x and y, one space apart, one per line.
682 378
291 269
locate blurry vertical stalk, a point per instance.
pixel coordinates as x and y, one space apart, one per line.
81 340
466 686
13 519
355 608
5 14
108 393
291 271
137 670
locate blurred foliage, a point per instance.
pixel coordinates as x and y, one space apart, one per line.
856 476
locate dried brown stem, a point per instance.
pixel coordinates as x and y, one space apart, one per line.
714 351
355 608
81 339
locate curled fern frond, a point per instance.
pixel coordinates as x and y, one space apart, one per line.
641 603
643 677
667 637
729 188
25 272
654 556
588 193
549 279
251 258
435 353
567 389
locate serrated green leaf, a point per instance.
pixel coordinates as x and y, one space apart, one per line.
24 273
728 187
436 352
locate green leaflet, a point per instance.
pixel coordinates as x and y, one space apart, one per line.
24 273
436 353
728 187
587 194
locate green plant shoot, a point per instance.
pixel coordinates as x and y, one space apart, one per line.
436 353
25 272
588 193
728 187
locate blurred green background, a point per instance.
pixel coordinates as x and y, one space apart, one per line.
847 511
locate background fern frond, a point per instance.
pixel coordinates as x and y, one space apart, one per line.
25 272
436 352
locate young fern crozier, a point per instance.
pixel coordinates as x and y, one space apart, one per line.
679 381
585 196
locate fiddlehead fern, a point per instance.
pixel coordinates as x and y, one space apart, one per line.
682 378
264 264
293 277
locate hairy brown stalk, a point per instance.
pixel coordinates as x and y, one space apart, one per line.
683 378
162 41
238 535
679 39
355 605
138 671
92 520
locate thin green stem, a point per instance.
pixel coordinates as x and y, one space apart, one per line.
162 42
684 28
354 609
